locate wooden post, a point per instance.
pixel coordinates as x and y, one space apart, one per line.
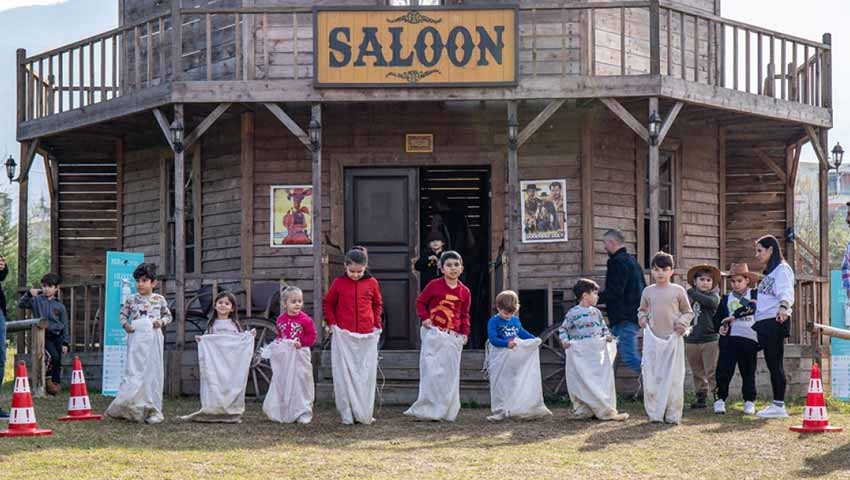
318 254
119 193
721 162
655 37
179 263
587 191
654 166
823 315
176 41
52 171
37 358
246 238
790 151
513 204
826 73
20 68
23 219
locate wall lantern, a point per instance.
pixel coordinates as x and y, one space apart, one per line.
177 135
513 131
654 127
837 155
11 166
315 131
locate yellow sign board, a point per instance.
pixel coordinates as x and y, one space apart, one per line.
415 48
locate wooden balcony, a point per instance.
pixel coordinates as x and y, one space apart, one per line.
260 54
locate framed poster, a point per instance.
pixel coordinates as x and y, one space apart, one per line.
291 223
544 210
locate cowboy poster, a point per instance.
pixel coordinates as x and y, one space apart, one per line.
544 211
291 216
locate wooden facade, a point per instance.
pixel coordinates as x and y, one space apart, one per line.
738 101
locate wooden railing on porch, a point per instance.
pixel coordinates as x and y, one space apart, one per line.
620 38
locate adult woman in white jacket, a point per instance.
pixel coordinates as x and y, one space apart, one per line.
773 318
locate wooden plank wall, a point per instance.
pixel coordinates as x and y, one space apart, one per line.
143 202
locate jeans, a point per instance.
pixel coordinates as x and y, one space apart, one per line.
627 350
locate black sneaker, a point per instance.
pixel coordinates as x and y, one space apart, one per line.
3 415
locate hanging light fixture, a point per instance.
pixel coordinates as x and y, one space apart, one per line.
654 127
11 167
177 135
837 155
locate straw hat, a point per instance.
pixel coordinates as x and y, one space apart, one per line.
715 274
743 270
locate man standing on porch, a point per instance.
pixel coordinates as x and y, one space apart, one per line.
624 284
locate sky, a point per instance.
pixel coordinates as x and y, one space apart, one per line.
47 25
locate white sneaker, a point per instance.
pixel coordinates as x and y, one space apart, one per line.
749 408
773 411
719 406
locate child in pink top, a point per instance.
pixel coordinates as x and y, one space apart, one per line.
294 324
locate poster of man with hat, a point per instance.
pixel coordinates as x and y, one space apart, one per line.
544 211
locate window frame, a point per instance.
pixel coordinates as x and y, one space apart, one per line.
673 150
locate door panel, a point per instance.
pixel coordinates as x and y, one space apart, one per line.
382 214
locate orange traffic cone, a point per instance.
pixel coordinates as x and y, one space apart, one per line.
815 419
22 418
79 407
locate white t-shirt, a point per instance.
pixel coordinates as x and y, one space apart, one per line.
224 326
778 285
741 327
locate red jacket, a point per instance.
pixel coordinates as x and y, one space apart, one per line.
354 306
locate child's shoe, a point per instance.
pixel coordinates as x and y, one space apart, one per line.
773 411
749 408
154 419
700 403
52 388
720 406
4 417
620 417
496 417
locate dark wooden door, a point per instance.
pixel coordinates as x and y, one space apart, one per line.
382 214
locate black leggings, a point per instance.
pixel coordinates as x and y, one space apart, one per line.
771 336
53 345
742 352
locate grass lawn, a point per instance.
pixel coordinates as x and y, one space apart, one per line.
704 446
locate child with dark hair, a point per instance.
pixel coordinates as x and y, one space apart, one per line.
43 303
443 308
666 310
428 264
352 308
143 316
701 347
589 351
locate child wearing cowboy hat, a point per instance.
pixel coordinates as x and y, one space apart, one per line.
701 347
738 341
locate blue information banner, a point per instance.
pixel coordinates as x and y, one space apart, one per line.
840 348
119 285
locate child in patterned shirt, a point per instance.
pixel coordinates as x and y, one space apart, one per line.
584 321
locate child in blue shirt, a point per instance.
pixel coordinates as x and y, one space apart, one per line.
504 328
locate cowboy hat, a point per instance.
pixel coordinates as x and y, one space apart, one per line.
743 270
715 274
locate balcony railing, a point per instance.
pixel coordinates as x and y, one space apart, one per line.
276 43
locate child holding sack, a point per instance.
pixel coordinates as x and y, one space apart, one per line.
225 352
143 316
443 308
352 308
292 391
589 352
665 309
513 364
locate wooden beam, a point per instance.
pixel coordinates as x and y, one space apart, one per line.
27 158
179 262
654 200
772 165
176 41
318 251
721 162
620 111
289 123
668 122
205 124
53 174
814 139
164 126
246 232
539 120
197 206
119 194
514 220
795 164
48 174
790 157
587 231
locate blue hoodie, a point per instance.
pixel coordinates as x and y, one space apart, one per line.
501 331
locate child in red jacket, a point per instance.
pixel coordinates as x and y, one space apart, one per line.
352 309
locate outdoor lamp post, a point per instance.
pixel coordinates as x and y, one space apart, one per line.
654 127
837 155
177 135
513 132
11 166
315 131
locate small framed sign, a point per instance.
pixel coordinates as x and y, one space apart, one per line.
419 143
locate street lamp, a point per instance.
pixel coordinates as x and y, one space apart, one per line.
315 130
177 135
837 155
513 131
654 127
11 166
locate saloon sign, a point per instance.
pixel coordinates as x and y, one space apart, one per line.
415 48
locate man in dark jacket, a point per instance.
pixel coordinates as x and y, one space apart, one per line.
4 271
624 284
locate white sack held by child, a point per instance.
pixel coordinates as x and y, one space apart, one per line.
663 370
439 376
354 363
590 377
140 395
516 388
292 391
224 361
